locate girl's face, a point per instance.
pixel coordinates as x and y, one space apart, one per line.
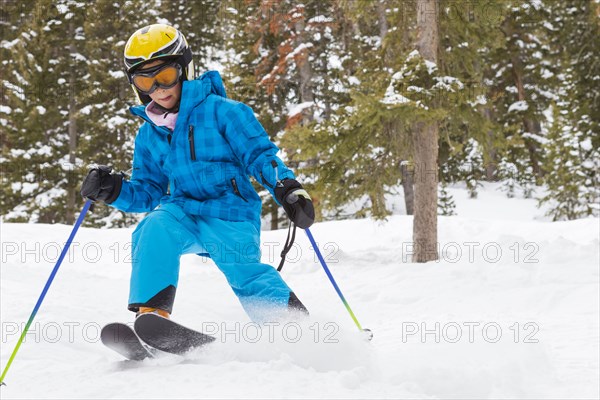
166 98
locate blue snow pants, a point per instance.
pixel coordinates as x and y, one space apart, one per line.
168 232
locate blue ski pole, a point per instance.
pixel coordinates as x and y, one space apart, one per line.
335 286
84 211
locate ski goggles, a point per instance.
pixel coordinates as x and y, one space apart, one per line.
163 76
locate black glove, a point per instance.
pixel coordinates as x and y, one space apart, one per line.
100 184
296 202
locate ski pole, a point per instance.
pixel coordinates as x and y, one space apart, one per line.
85 209
335 286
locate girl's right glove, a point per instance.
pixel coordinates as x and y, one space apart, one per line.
102 185
296 202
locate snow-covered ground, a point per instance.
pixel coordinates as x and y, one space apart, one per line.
511 311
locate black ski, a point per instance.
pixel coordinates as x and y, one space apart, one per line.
163 334
122 339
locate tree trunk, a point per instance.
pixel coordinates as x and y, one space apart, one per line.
407 175
71 184
529 124
407 185
383 25
490 167
425 140
305 72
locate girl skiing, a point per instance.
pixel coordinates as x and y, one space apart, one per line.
192 160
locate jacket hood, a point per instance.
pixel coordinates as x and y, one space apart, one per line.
192 94
195 92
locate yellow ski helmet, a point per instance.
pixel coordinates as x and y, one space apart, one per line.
156 42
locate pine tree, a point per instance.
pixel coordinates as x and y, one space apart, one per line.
106 123
282 71
469 137
524 81
446 204
353 153
43 94
201 22
571 194
247 38
573 163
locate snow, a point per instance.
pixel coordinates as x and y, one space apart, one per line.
86 110
518 106
5 44
391 96
25 187
586 144
431 67
538 138
41 110
117 74
537 4
299 49
17 152
295 109
42 150
78 57
116 121
334 62
480 99
448 83
511 311
320 19
546 74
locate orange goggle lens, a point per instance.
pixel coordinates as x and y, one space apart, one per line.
165 77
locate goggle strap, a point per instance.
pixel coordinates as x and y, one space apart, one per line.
186 57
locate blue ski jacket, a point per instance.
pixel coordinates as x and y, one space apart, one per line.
204 165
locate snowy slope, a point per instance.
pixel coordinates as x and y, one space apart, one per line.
511 311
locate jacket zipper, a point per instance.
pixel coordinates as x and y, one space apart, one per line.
236 190
265 181
277 181
191 140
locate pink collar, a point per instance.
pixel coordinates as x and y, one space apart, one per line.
159 117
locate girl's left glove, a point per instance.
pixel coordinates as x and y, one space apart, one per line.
296 202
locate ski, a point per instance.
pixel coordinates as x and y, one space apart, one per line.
122 339
168 336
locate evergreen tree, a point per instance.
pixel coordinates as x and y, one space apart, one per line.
355 153
573 163
201 21
446 205
524 84
247 39
572 193
42 93
106 121
469 138
336 83
281 69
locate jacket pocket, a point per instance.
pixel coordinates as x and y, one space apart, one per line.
191 141
236 190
